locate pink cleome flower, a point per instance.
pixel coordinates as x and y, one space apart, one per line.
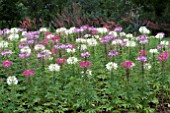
163 57
6 63
61 61
142 52
28 73
55 38
84 64
142 58
128 64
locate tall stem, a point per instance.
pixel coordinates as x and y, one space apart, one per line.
127 73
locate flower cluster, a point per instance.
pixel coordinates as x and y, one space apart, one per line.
28 73
111 66
128 64
6 63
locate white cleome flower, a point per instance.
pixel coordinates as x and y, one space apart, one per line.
126 40
71 50
147 66
25 49
130 43
113 33
47 51
50 36
23 39
13 37
39 47
70 31
129 35
153 51
144 30
92 42
43 29
81 40
159 35
54 67
111 65
88 72
122 34
165 43
82 47
96 36
23 33
72 60
62 29
12 80
117 42
14 30
3 44
102 30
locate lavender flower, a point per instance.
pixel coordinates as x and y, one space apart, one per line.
25 54
142 58
85 54
4 53
118 29
113 53
142 39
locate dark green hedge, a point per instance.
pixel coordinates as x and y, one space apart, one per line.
157 11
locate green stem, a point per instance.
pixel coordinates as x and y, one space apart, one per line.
127 73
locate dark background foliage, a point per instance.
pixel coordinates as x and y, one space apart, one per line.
129 13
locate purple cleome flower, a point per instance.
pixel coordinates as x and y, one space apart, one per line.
142 58
113 53
85 54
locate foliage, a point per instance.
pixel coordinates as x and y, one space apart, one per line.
10 11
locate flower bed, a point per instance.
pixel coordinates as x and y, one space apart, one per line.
84 69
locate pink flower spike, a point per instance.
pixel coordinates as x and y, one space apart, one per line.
163 57
142 52
61 61
6 63
128 64
84 64
28 73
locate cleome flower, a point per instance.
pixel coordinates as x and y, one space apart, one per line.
92 42
147 66
163 57
39 47
144 30
61 61
6 63
84 64
153 51
71 50
82 47
3 44
54 67
12 80
72 60
160 35
141 58
8 52
28 73
85 54
128 64
111 65
13 37
25 49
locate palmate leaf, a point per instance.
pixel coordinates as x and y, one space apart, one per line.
91 111
149 110
138 106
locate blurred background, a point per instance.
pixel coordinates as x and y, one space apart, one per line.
130 14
